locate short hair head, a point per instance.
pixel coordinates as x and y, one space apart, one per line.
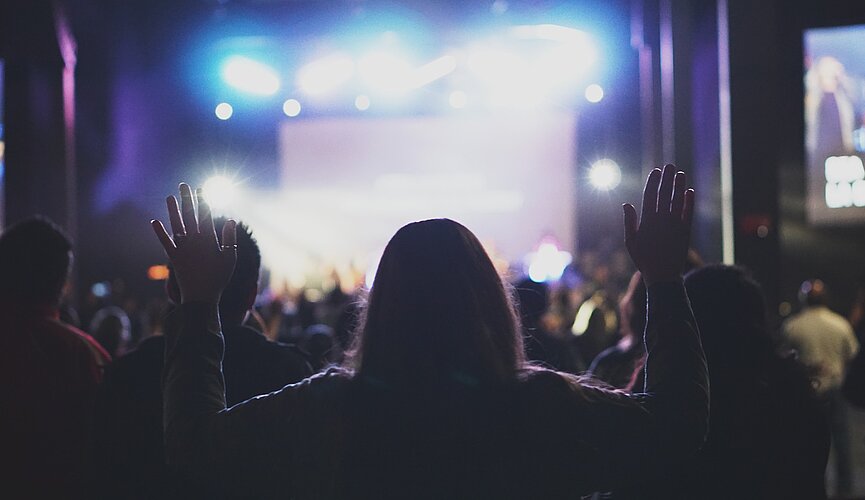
437 312
35 256
730 310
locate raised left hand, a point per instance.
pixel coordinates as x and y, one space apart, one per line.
202 265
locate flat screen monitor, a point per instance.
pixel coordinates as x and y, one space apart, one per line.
835 124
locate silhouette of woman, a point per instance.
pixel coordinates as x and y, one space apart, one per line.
436 401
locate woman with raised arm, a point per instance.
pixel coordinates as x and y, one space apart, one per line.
437 400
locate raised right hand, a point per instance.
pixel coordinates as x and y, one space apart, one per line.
658 244
202 265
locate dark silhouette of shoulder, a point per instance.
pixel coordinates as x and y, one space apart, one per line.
254 365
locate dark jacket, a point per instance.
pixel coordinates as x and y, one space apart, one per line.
337 436
49 374
130 408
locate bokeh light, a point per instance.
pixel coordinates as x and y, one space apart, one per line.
224 111
605 174
291 108
594 93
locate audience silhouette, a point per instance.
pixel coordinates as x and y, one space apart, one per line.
542 346
49 370
825 344
131 439
445 386
768 437
436 399
620 366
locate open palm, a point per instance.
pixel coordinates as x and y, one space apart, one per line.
658 244
202 265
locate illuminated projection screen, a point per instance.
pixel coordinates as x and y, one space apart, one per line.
835 124
348 184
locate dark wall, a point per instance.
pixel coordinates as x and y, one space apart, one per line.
35 177
754 84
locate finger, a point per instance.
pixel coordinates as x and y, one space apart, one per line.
205 216
187 209
167 244
650 194
229 242
678 194
174 216
665 192
229 233
688 210
630 215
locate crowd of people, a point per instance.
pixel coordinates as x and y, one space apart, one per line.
443 380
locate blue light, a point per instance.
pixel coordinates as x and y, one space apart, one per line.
250 76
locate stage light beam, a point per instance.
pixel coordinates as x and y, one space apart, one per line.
325 75
433 70
250 76
385 72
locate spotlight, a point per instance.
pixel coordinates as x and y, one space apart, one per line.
250 76
458 99
605 174
325 75
594 93
220 191
433 70
385 72
158 272
497 67
548 263
361 102
224 111
291 108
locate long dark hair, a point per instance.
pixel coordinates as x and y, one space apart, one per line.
438 312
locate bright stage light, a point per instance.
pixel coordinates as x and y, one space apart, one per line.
322 76
594 93
250 76
361 102
496 67
534 65
224 111
220 192
548 263
458 99
605 174
291 108
433 70
385 72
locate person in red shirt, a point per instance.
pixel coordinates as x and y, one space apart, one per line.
49 371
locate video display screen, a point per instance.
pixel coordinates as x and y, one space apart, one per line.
835 124
349 184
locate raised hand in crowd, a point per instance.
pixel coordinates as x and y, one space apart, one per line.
658 243
203 265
